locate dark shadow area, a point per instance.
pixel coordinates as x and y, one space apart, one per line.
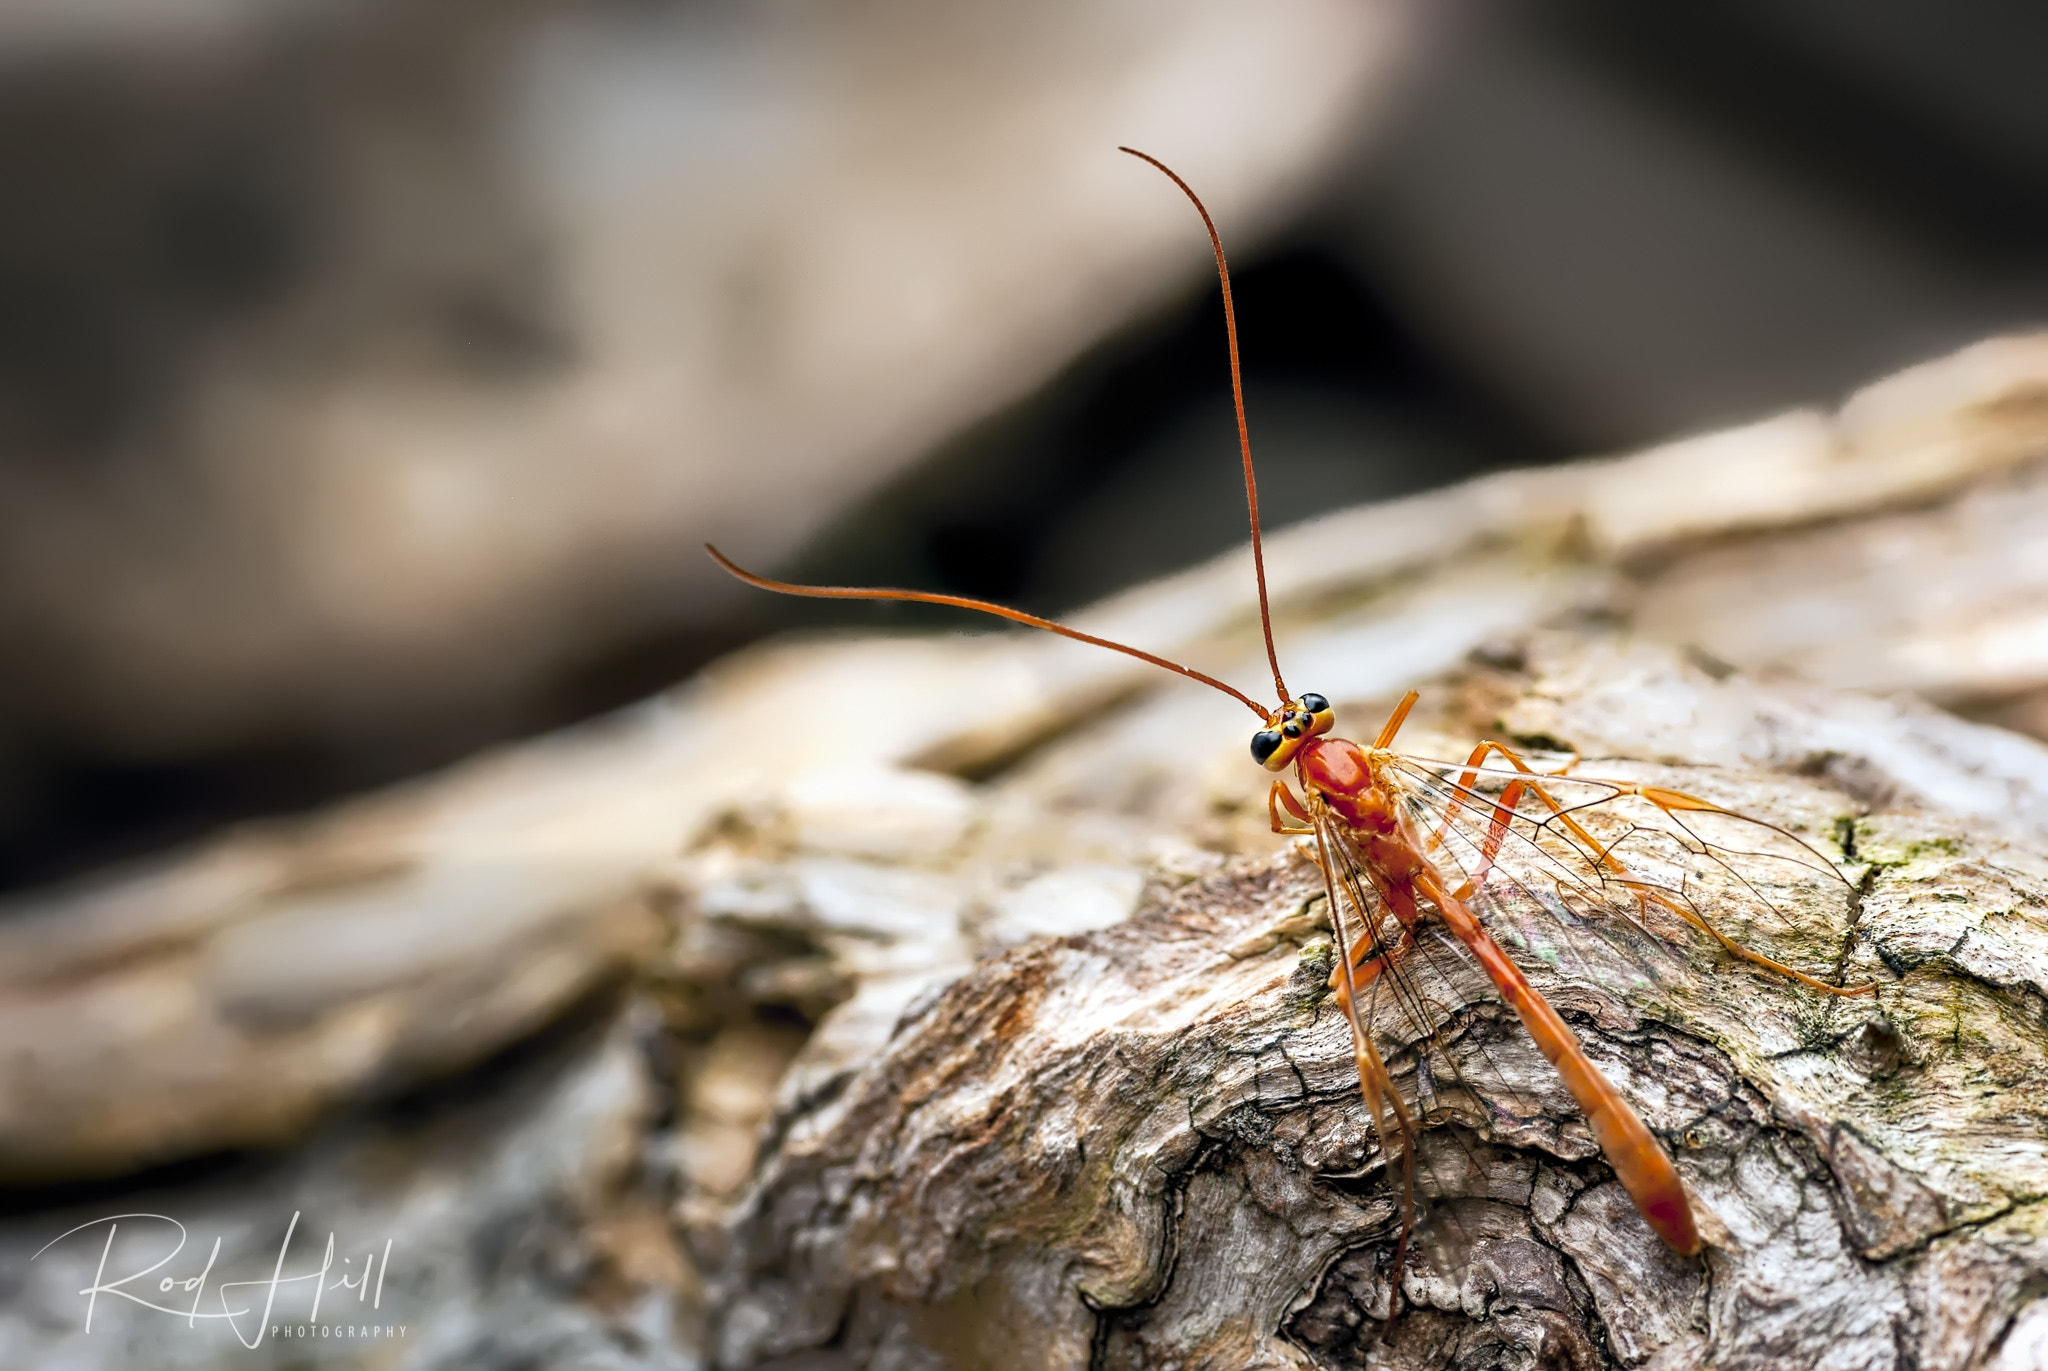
1127 465
1929 118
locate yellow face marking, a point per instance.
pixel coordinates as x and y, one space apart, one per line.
1287 728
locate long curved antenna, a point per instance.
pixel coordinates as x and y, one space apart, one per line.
1244 436
927 597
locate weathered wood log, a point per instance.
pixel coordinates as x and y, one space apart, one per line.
232 994
922 805
1145 1146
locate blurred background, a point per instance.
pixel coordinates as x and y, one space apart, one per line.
371 371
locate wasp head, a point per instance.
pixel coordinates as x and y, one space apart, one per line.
1274 746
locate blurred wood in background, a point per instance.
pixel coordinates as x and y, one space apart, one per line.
369 370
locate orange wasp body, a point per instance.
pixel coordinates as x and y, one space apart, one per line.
1351 811
1371 812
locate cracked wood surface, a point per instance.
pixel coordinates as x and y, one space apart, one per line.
845 945
236 993
1144 1146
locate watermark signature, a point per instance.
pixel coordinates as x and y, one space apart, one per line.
359 1287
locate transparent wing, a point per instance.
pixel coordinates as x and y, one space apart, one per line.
1610 881
1605 877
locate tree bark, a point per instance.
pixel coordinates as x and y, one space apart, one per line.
897 1080
1144 1146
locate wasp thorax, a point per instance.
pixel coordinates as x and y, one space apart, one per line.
1274 746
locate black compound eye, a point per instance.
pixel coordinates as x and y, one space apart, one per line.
1264 744
1315 704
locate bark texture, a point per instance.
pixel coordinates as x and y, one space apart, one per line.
962 1011
1144 1146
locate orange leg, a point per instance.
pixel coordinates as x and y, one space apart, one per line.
1280 797
1504 811
1395 720
1375 1083
1365 970
1639 1161
1402 908
1504 808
